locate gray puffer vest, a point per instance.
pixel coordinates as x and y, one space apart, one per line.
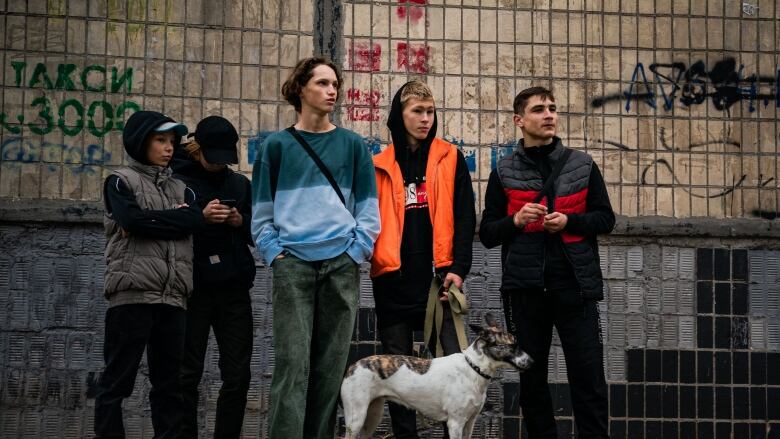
144 270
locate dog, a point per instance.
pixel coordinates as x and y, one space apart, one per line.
451 388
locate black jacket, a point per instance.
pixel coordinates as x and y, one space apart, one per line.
531 253
222 254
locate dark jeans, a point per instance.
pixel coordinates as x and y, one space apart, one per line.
398 339
129 330
229 311
530 316
314 305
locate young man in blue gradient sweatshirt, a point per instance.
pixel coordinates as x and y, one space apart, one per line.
315 244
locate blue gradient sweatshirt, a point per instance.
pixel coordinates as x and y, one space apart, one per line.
294 208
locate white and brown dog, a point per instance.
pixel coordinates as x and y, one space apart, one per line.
451 388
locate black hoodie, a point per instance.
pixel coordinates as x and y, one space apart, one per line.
120 201
410 291
234 264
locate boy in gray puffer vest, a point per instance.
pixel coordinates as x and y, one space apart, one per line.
149 225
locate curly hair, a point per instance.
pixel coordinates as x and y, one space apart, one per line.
301 74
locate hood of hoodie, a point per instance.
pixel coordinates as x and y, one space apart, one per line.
137 128
395 122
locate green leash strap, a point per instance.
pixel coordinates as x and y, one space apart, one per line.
435 312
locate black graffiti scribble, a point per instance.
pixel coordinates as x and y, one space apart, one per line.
724 84
721 141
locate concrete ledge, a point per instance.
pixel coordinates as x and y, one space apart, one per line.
50 211
72 211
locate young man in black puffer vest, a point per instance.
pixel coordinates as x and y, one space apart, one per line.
224 270
551 273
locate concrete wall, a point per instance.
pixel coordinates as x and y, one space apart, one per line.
676 100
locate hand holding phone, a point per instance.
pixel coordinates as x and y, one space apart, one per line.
229 202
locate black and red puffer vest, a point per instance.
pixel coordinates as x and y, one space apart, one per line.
524 257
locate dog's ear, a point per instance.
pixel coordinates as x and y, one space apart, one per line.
490 319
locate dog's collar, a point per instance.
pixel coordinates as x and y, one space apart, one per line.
477 369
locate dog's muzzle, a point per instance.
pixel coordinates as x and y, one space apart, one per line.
521 361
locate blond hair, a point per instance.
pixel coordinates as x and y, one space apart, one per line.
193 149
416 89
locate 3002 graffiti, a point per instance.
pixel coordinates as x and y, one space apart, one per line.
113 118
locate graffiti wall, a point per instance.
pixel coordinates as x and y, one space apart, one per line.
676 100
74 71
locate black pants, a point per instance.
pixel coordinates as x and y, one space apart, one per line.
129 330
530 316
398 339
229 312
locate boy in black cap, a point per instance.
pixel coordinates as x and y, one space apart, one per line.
224 271
149 225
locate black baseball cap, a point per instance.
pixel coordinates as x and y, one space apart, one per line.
218 140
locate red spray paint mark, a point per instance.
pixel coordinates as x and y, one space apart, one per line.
415 13
413 57
363 105
365 57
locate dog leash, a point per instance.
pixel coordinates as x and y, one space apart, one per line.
435 312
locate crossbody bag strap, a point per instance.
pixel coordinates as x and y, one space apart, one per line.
548 184
318 162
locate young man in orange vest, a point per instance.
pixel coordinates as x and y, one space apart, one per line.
544 205
426 209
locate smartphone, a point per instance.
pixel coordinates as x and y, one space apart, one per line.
229 202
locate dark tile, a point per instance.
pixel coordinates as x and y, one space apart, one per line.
741 431
704 335
687 402
739 264
773 409
722 367
653 366
636 429
774 431
704 402
366 324
636 401
365 350
706 430
757 403
511 398
773 368
669 373
670 399
704 297
723 430
687 430
511 428
741 402
671 430
759 431
722 266
723 402
758 368
617 430
740 333
740 368
636 365
653 401
653 429
740 299
687 367
617 400
353 354
562 399
723 332
704 258
722 298
704 373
